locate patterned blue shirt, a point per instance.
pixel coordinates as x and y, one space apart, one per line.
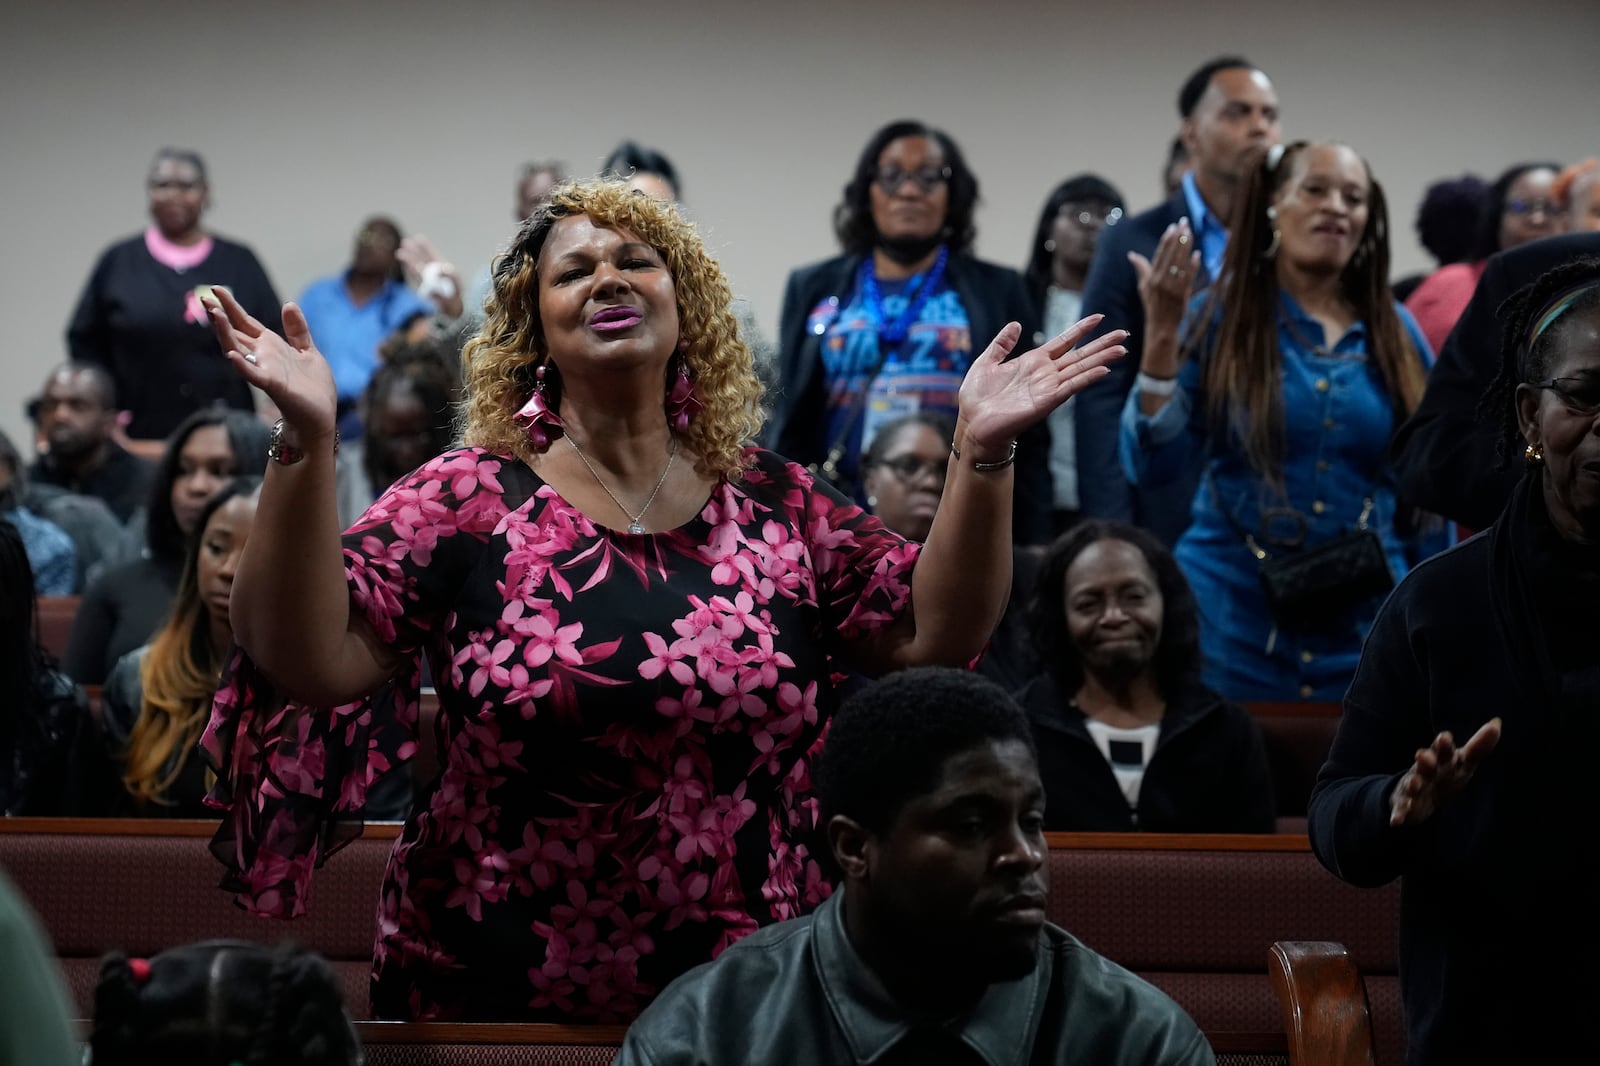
51 553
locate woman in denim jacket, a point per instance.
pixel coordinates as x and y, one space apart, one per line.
1288 396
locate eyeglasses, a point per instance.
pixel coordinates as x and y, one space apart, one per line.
1580 394
1537 206
1092 216
909 468
173 185
927 179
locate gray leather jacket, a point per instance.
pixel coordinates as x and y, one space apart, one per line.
797 992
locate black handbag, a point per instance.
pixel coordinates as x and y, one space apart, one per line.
1308 587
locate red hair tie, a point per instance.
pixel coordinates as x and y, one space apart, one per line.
140 968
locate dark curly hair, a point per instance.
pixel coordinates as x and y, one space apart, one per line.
890 740
430 370
1525 358
1494 206
852 219
1447 218
221 1002
1177 660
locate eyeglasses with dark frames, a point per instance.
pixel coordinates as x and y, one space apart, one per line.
927 179
1535 206
910 469
1580 394
1092 215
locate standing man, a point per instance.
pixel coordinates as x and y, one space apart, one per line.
1229 110
77 417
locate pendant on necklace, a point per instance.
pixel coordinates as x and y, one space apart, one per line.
635 528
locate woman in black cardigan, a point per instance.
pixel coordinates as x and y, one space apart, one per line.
889 327
1128 737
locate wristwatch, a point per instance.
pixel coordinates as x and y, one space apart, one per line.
283 453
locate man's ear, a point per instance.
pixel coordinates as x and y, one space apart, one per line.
852 845
1186 135
1527 404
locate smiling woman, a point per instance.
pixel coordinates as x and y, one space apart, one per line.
633 619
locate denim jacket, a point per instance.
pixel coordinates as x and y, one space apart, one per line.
798 992
1338 420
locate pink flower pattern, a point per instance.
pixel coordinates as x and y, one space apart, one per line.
624 733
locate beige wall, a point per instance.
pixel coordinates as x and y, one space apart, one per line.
313 115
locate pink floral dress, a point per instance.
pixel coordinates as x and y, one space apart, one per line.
623 730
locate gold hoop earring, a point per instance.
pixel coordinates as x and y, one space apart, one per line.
1533 455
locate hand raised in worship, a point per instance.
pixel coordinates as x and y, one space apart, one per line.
289 369
1166 281
1439 772
434 279
1001 397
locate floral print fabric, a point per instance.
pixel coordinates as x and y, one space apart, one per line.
623 733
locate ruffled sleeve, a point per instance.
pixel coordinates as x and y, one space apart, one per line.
293 779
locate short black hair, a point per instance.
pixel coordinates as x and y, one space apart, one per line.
852 219
941 424
104 383
1494 206
248 439
1177 659
1448 217
181 155
220 1002
1195 87
889 742
1524 358
631 157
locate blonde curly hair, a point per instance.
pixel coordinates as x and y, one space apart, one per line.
500 362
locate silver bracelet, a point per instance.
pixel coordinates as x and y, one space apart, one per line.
1153 386
999 464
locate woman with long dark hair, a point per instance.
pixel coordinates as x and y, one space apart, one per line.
1286 388
124 604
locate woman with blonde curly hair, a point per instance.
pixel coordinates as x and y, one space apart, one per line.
633 619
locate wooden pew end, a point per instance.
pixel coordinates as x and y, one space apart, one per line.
1324 1003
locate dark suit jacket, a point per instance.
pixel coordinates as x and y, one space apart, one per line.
1112 289
992 295
1444 457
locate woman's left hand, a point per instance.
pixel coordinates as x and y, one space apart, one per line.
1000 397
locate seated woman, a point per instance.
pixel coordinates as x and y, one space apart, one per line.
1463 759
125 604
49 762
158 697
904 469
1284 389
221 1003
1128 736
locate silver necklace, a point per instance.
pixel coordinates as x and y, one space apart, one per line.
636 521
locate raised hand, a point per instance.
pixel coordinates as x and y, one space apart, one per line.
426 271
1001 397
1439 772
289 369
1166 283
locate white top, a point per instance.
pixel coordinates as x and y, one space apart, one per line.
1128 751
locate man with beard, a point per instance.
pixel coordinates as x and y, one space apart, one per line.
1128 737
77 417
937 949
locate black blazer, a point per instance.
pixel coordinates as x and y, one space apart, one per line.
992 295
1443 456
1112 289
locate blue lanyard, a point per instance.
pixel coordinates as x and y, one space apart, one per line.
894 333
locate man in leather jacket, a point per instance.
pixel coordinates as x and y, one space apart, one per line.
937 948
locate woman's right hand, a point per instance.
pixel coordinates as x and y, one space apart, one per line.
289 369
1438 772
1166 283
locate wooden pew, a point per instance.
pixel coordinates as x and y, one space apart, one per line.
1195 915
55 622
1297 738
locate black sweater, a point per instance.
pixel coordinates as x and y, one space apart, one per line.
1208 773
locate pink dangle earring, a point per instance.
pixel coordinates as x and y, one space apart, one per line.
683 404
537 419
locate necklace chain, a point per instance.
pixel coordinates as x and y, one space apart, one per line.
635 521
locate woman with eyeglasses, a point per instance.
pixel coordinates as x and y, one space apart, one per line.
1463 762
1521 207
890 327
1063 247
140 314
904 472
